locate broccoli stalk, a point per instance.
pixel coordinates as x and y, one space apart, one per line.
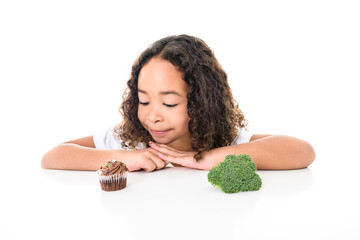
234 174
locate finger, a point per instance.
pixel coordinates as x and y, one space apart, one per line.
159 145
148 165
169 158
156 159
165 149
158 162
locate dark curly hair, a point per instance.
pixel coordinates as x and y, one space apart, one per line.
214 114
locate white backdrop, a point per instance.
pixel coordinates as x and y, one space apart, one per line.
293 67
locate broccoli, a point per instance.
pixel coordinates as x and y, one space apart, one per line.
234 174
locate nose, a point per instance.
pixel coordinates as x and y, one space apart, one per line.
154 115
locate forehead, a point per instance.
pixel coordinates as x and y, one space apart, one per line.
159 75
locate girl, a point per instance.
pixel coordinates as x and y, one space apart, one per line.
179 108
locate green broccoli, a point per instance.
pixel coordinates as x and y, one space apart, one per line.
234 174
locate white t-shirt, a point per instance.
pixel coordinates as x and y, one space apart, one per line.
107 140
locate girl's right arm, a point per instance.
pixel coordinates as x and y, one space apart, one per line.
81 154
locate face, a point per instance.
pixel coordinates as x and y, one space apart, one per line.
162 106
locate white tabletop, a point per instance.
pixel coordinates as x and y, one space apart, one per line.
318 202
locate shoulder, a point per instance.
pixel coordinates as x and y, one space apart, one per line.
243 136
109 139
259 136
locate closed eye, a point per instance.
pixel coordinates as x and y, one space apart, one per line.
170 105
167 105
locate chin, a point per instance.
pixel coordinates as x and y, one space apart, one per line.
161 141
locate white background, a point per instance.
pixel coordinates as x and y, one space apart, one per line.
293 67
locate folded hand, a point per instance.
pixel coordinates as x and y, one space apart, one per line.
176 157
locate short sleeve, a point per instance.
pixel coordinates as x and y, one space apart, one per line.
107 140
242 137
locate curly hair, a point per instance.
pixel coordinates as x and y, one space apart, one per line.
214 114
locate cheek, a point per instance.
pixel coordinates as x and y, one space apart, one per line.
140 115
184 122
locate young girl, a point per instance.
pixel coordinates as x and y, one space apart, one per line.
179 108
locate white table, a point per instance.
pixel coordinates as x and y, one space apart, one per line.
179 203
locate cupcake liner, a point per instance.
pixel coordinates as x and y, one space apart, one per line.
113 182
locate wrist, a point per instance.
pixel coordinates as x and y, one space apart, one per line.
121 155
208 160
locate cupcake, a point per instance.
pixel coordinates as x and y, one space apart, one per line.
112 175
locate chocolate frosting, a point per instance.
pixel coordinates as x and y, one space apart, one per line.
112 167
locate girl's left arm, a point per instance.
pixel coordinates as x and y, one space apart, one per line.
275 152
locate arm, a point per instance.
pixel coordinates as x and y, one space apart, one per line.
267 151
275 152
81 154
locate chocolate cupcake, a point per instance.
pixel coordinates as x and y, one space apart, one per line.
112 175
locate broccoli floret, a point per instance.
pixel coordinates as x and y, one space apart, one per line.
234 174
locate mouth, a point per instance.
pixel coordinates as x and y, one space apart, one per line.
159 133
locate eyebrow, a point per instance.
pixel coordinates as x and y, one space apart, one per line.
163 92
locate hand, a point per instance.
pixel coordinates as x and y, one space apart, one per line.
176 157
146 159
